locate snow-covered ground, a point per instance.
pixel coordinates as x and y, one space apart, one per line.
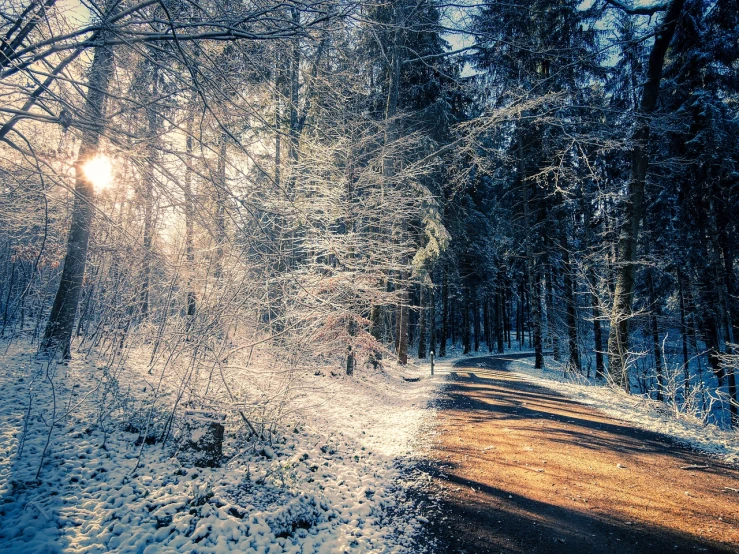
337 475
334 478
640 411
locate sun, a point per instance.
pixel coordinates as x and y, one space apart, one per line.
99 171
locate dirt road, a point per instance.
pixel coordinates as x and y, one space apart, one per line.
519 468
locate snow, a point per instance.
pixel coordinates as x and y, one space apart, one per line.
639 410
339 474
335 478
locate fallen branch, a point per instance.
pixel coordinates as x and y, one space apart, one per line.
694 466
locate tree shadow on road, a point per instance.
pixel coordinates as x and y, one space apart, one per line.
478 518
481 517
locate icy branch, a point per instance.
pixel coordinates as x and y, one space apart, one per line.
642 10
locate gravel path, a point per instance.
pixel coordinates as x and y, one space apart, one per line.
519 468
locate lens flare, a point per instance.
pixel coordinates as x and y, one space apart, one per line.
99 171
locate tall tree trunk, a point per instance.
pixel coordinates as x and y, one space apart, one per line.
444 314
618 339
507 308
532 264
723 305
432 318
219 198
376 320
536 294
466 342
389 162
571 302
278 121
500 319
453 321
684 333
295 89
58 334
527 315
398 320
191 301
476 319
519 317
148 191
600 371
654 328
591 283
711 333
487 322
402 324
552 315
413 313
422 314
350 356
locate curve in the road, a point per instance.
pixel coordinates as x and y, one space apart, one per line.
519 468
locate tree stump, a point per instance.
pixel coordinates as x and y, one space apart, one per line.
202 438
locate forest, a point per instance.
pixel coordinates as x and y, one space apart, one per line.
352 182
229 194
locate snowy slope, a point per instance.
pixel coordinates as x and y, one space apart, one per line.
334 479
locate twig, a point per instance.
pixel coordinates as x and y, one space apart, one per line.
25 421
53 420
694 466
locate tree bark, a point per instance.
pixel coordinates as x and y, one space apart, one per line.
500 322
684 333
453 321
422 324
278 122
444 315
591 283
654 328
294 89
532 265
58 333
191 299
376 320
487 322
507 308
519 317
571 301
476 319
148 193
466 342
725 328
219 198
536 322
618 339
552 314
432 318
600 371
402 325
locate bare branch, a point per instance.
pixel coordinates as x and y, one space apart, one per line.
643 10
